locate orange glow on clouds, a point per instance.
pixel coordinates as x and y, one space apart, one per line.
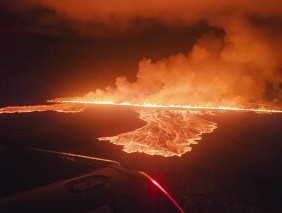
236 70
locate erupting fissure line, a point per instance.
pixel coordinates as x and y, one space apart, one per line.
170 130
152 105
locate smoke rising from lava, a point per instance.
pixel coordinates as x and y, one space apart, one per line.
241 68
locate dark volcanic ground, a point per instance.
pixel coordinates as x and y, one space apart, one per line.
237 168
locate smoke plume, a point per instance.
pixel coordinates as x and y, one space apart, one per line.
241 66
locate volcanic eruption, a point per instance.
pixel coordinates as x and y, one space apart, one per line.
236 68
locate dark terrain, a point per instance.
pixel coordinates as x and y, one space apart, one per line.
237 168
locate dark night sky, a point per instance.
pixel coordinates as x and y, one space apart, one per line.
55 49
36 66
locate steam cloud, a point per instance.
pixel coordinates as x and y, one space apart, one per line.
241 67
238 68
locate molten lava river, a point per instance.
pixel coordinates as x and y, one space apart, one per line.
169 131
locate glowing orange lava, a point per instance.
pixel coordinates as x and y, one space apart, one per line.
66 108
167 132
170 129
185 107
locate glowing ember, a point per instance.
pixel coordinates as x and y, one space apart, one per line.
167 133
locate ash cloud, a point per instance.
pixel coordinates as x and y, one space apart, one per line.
242 66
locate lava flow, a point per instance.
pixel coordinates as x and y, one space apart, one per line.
161 106
170 129
167 132
66 108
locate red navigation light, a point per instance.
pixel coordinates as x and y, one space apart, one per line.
164 191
